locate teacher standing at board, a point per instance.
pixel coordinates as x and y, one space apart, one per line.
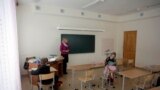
64 48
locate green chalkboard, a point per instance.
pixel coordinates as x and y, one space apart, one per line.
80 43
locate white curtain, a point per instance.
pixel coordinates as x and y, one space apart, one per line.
9 61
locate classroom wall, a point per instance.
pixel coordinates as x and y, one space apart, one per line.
148 30
38 35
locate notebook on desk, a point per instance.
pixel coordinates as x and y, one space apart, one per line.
52 59
33 69
31 60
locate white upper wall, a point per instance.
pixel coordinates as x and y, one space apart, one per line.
140 15
110 7
52 10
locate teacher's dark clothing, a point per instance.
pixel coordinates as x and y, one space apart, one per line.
65 61
65 55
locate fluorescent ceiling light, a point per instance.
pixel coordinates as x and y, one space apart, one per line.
79 29
92 3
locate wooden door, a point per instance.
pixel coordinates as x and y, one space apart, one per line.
129 46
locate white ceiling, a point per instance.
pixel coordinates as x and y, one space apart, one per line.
112 7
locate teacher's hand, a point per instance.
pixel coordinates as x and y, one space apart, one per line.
67 50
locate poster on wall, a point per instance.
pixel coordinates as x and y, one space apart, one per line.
107 46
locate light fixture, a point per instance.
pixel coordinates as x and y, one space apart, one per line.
80 29
92 3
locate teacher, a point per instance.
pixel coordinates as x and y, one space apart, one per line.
64 48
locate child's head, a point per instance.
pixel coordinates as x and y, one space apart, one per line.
113 55
44 61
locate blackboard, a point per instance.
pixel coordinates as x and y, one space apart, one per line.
80 43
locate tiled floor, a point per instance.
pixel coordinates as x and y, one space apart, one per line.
66 79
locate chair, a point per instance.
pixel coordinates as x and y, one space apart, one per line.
119 63
145 83
46 77
87 78
31 67
120 66
155 79
130 63
105 78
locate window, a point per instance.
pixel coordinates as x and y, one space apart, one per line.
9 62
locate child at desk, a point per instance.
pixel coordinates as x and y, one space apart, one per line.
43 69
110 67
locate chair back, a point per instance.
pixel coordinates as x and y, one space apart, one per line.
149 78
46 76
148 81
119 62
130 61
90 74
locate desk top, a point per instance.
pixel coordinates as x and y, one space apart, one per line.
51 69
153 68
134 73
155 88
57 58
86 66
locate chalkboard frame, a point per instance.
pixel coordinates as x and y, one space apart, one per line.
80 43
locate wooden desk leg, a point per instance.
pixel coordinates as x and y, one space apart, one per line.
73 76
123 83
31 81
102 83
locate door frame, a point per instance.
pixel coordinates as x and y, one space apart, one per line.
135 44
